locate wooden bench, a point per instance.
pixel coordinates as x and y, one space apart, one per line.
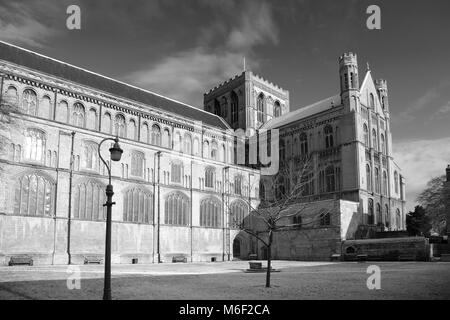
93 260
253 256
176 259
22 260
255 265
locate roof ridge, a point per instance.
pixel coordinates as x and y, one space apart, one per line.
109 78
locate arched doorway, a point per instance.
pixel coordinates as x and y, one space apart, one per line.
236 248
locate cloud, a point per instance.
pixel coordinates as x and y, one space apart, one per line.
429 100
217 54
420 161
27 23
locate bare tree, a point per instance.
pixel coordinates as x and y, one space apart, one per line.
291 184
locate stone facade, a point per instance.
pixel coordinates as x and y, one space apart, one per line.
173 186
348 139
178 189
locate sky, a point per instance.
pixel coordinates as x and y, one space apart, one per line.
181 49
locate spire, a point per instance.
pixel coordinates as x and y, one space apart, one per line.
244 65
368 66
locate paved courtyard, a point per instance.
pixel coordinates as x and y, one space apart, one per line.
227 280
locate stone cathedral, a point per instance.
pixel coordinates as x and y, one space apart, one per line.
178 189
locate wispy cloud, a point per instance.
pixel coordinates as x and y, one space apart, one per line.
429 101
420 161
216 55
29 23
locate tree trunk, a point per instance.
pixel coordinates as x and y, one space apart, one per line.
269 259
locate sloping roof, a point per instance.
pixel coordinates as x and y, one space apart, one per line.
87 78
304 112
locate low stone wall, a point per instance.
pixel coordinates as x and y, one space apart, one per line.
389 249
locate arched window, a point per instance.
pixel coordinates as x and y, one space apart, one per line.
369 178
137 164
277 109
260 107
177 141
138 205
177 209
89 197
78 115
383 144
196 147
366 135
238 212
372 101
385 183
187 144
370 217
156 135
396 181
132 132
224 107
223 153
303 144
325 219
29 102
216 107
92 119
12 96
176 172
398 219
214 148
90 155
374 140
34 195
35 141
377 180
238 184
206 149
234 107
330 179
107 123
62 112
119 126
262 190
386 216
210 173
45 108
166 140
144 133
329 139
379 216
211 213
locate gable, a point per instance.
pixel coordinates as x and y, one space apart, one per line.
368 88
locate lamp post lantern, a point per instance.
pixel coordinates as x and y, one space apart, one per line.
116 154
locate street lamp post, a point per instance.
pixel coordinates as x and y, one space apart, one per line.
116 154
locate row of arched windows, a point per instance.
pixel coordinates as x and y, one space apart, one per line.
379 216
380 185
81 117
261 108
35 196
374 140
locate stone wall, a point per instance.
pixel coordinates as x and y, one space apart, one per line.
391 249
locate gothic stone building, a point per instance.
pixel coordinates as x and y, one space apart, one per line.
178 189
354 187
